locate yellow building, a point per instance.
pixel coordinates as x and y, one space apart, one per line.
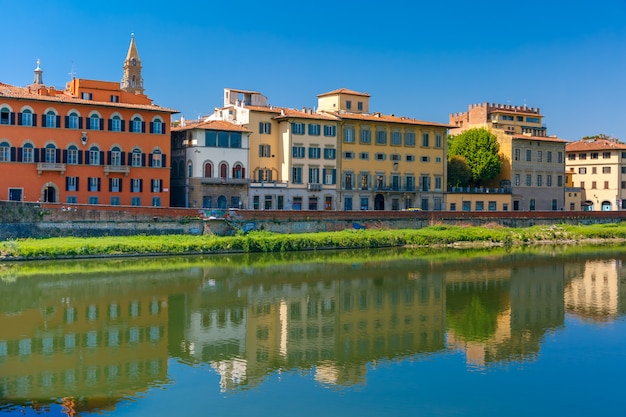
386 162
533 164
598 168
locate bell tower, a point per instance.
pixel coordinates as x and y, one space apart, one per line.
132 81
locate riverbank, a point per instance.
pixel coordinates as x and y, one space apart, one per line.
260 241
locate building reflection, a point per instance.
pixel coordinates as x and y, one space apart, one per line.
89 340
92 340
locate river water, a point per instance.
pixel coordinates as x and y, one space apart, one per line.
389 332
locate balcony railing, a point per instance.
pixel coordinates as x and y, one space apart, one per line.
232 181
268 184
116 169
50 166
315 186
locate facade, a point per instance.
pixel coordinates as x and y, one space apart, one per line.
533 164
209 165
598 169
386 162
95 142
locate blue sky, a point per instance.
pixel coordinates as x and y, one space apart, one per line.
419 59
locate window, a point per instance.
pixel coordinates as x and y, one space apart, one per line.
115 200
156 160
571 157
265 128
264 175
156 185
116 156
516 180
348 134
115 185
136 158
348 155
539 156
314 153
409 138
594 170
116 124
491 206
365 202
115 99
330 153
606 170
314 129
582 170
93 200
480 205
86 96
380 156
410 158
136 185
425 158
381 137
157 126
222 139
94 184
28 153
359 105
549 157
297 151
314 175
51 154
409 182
72 121
396 138
330 130
347 203
606 185
136 125
94 156
539 180
348 104
532 119
297 128
517 154
364 156
51 119
156 201
264 151
438 141
396 157
5 116
528 155
582 156
94 122
549 180
329 175
425 139
606 155
296 175
528 180
365 136
5 154
27 118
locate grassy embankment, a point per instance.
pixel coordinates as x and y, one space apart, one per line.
438 235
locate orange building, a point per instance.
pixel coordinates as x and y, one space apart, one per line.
96 142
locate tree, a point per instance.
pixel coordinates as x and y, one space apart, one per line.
459 174
480 149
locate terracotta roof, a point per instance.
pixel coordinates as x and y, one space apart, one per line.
291 113
594 145
541 138
24 93
264 108
343 91
378 117
212 125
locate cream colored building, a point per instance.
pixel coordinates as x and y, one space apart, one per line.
533 164
598 168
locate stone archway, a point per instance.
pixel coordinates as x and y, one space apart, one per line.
49 193
379 202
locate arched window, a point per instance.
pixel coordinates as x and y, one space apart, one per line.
28 151
223 170
94 122
136 124
208 170
238 171
5 152
51 153
156 158
72 121
116 124
5 116
116 156
27 117
51 119
156 126
135 159
72 155
189 170
94 156
221 202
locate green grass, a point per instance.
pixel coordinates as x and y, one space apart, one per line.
267 242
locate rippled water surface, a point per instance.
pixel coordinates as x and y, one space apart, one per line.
365 333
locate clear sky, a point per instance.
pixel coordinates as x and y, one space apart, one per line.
421 59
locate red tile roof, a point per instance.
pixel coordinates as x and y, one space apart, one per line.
378 117
343 91
541 138
594 145
211 125
291 113
25 93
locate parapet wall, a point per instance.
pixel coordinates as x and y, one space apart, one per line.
23 220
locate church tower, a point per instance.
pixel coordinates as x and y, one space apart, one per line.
132 81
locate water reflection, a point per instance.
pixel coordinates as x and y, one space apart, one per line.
88 340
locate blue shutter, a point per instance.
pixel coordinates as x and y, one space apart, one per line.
65 156
143 159
58 124
12 117
57 156
19 119
13 153
149 159
163 160
77 178
123 129
110 184
143 127
140 184
67 183
123 158
43 120
99 181
163 128
101 124
110 124
34 119
151 127
80 122
67 126
20 152
101 157
108 157
80 157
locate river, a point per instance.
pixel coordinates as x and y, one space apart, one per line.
393 332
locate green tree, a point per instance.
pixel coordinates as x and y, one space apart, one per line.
480 149
459 174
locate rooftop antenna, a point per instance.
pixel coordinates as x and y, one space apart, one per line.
72 73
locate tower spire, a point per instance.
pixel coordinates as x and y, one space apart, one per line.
38 73
132 81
